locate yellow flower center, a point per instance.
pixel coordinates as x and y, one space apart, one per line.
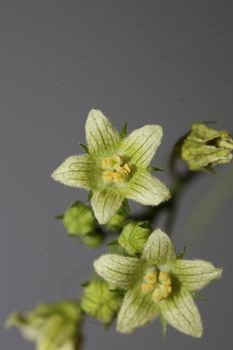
115 170
159 283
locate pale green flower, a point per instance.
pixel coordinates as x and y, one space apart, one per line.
157 284
205 147
115 168
100 301
51 326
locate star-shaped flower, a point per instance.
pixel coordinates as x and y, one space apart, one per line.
115 168
158 283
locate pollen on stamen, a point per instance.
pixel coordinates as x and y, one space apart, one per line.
114 171
147 287
151 277
163 288
108 175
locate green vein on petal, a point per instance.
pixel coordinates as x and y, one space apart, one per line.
119 271
142 144
76 171
146 189
102 137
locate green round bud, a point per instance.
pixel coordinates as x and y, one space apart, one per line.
79 220
100 301
118 220
93 239
134 236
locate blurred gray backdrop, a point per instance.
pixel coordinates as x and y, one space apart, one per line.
165 62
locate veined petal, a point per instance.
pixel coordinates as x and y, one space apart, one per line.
75 171
102 137
142 144
159 248
137 310
70 345
147 189
105 203
119 271
196 274
181 312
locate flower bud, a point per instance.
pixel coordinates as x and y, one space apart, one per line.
51 326
79 220
100 301
134 237
204 147
118 220
93 239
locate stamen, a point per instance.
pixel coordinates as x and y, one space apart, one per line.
151 278
147 287
114 169
164 278
163 288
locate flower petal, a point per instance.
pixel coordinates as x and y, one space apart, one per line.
142 144
105 203
137 310
101 137
120 271
159 248
147 189
196 274
181 312
75 171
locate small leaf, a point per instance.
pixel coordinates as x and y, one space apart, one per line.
198 296
90 194
126 206
123 132
153 168
145 224
85 284
164 325
59 217
84 147
182 253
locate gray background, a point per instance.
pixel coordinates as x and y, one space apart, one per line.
166 62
